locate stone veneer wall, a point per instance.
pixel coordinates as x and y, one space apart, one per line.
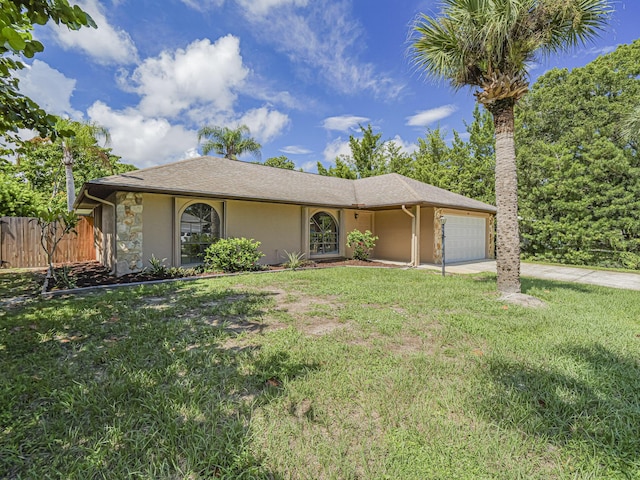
129 233
437 236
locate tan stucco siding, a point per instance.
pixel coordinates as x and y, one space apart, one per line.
393 227
278 227
157 228
426 235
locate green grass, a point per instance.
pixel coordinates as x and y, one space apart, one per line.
20 283
336 373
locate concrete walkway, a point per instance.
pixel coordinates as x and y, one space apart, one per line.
628 281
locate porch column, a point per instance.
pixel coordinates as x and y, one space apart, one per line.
416 236
304 248
128 233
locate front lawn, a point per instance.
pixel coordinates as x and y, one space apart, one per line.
338 373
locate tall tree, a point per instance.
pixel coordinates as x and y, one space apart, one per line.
341 170
488 44
367 153
579 178
16 40
84 138
280 162
229 142
40 166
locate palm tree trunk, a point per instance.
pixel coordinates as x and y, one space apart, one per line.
67 159
508 240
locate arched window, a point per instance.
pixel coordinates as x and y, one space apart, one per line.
199 228
323 234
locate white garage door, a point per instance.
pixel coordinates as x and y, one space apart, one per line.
465 238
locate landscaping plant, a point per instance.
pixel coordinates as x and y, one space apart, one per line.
362 243
294 260
233 255
54 222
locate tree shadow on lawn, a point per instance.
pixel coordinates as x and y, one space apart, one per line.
107 386
594 412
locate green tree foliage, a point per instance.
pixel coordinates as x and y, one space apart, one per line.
367 153
39 174
17 199
17 18
229 142
340 170
79 138
280 162
579 177
369 156
464 167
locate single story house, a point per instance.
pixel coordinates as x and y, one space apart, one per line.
174 211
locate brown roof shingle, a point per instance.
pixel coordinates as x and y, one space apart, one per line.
223 178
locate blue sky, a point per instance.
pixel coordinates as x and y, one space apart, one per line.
300 73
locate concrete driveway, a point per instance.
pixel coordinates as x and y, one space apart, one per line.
628 281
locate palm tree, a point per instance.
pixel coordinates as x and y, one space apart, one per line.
229 142
78 136
631 125
490 44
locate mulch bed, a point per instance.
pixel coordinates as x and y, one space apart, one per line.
91 274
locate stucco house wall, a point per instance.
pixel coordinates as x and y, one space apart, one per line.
277 227
426 235
157 230
393 227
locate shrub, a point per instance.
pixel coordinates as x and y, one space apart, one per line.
233 255
294 260
157 267
362 243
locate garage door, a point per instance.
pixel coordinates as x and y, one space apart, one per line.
465 238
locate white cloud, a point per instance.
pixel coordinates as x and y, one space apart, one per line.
336 148
405 147
295 150
49 88
144 141
324 37
343 123
203 5
426 117
203 74
264 124
600 50
310 166
106 44
261 7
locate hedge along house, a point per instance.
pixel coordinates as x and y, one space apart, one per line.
175 211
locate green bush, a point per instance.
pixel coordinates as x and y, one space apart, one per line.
233 255
362 243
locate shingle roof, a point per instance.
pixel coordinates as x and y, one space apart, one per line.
223 178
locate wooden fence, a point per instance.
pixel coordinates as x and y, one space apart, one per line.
20 243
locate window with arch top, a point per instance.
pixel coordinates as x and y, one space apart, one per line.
323 234
199 228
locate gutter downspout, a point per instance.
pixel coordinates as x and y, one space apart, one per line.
115 227
414 239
